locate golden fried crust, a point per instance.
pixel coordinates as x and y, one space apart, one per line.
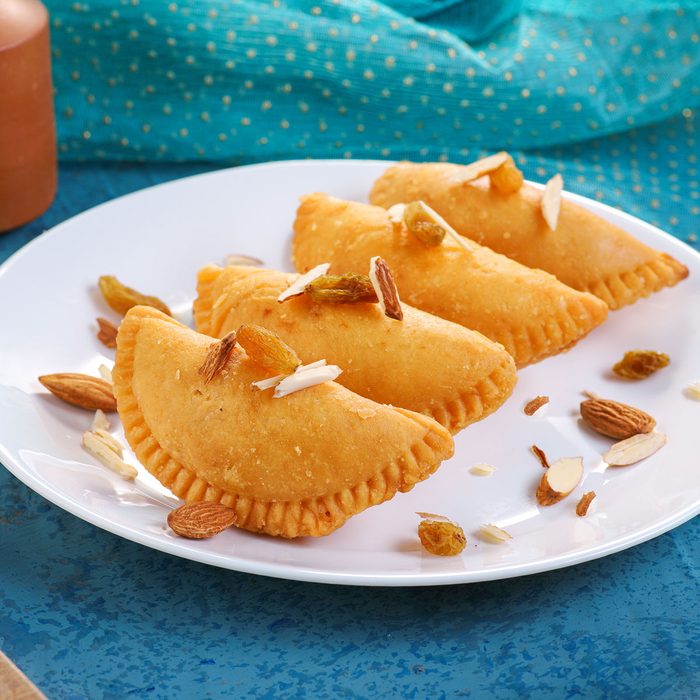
422 363
585 251
529 312
299 465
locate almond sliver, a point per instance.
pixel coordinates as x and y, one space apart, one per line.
483 167
297 287
551 201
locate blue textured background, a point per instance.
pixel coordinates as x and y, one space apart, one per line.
88 615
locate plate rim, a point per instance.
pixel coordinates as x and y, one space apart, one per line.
305 573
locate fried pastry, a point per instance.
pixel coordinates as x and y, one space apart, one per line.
423 363
584 251
529 312
292 466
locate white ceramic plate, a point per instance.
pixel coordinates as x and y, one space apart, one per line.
156 239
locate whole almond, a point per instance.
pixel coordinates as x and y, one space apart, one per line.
82 390
196 521
616 420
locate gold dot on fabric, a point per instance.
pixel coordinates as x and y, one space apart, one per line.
448 87
430 68
374 38
230 35
508 76
266 105
525 92
389 61
636 49
226 99
284 124
222 137
251 53
204 116
184 132
577 106
86 135
487 91
541 74
518 57
316 10
541 109
124 141
451 52
245 121
368 74
355 19
413 44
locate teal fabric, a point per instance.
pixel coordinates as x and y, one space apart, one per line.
246 80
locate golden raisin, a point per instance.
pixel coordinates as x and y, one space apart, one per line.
443 538
267 349
639 364
420 222
121 298
507 178
341 289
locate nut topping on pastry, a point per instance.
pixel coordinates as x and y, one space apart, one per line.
385 287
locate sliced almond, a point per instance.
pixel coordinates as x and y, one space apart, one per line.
297 287
693 390
551 201
634 449
385 287
81 390
559 480
110 441
242 260
107 332
395 213
100 421
482 469
102 451
585 503
106 374
614 419
541 456
483 167
494 534
197 521
218 355
433 516
269 383
304 379
534 405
